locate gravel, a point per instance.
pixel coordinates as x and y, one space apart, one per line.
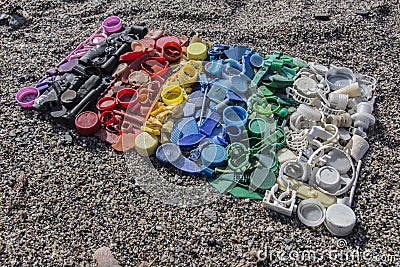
77 195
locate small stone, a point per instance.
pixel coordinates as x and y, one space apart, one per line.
210 214
179 249
270 229
362 12
322 16
159 228
105 258
66 139
287 240
12 133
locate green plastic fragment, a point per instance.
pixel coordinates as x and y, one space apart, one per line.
241 192
299 62
262 179
265 91
224 183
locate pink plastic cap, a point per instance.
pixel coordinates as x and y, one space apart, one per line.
112 24
26 96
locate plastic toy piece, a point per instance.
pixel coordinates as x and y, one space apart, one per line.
189 141
146 144
311 212
87 123
340 219
329 134
284 203
26 96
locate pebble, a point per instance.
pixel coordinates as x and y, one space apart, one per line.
159 228
12 133
210 214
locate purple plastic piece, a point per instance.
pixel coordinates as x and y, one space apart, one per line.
68 66
26 96
112 24
52 72
189 141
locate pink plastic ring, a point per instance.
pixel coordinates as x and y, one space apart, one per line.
26 96
112 24
106 103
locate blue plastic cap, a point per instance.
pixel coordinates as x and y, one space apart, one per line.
213 156
235 115
168 153
256 60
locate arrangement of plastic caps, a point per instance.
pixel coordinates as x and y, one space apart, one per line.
272 127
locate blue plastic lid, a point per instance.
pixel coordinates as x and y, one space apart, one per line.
191 140
235 115
168 153
213 156
256 60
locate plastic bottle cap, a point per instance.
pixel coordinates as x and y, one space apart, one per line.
258 127
311 212
306 85
107 118
340 219
256 60
168 153
172 51
213 156
137 46
337 78
112 24
106 103
172 94
87 123
26 96
146 144
338 160
328 178
197 51
127 97
161 41
138 78
235 115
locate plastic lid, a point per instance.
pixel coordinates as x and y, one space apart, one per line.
311 212
106 103
112 24
258 127
146 144
97 39
256 60
235 115
197 51
126 97
87 123
306 85
26 96
138 78
339 161
328 178
168 153
172 51
213 155
340 219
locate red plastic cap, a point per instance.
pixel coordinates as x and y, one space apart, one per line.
87 123
160 42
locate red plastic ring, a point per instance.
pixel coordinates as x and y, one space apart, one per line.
172 51
106 103
126 97
107 118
